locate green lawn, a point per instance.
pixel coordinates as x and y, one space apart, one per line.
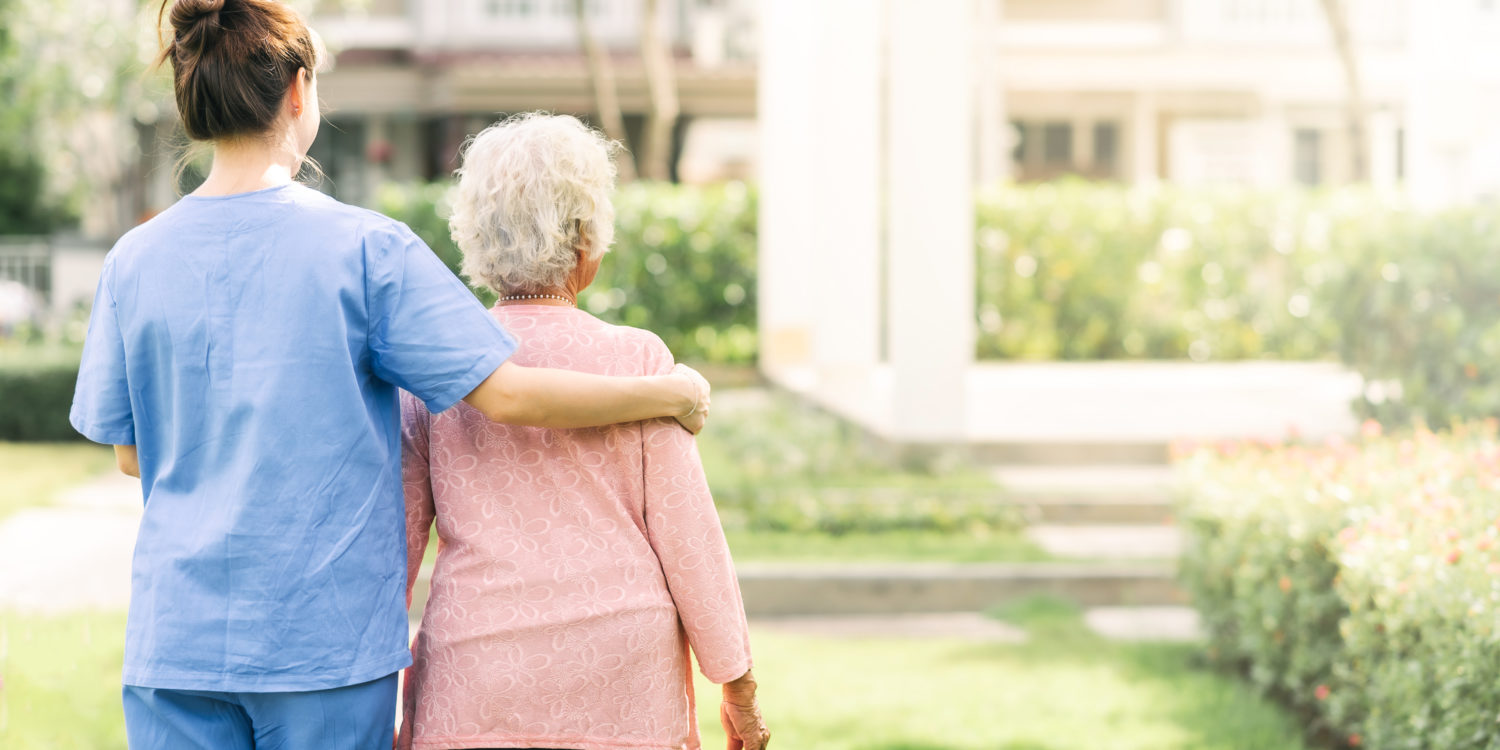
889 546
1064 690
62 682
35 472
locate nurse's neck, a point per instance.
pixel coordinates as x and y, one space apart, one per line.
245 165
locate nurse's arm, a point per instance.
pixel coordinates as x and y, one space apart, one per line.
543 397
128 460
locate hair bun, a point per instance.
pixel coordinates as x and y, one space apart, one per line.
195 23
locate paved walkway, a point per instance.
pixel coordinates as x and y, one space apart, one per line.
74 555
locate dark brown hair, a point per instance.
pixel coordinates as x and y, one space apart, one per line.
232 62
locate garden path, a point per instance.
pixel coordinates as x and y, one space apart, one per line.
75 554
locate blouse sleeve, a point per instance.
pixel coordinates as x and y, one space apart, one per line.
683 528
416 480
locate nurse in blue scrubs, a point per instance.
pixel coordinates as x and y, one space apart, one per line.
243 357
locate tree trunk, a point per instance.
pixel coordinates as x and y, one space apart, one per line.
606 95
1338 23
661 84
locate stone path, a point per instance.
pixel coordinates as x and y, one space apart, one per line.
74 555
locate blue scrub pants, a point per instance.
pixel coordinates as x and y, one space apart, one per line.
357 717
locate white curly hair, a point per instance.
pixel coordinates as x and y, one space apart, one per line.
530 188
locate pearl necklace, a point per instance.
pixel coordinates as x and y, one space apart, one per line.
519 297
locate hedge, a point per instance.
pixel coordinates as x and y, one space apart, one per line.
683 262
1081 271
1358 582
36 391
1407 298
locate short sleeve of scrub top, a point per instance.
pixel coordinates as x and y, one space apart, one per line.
416 306
101 405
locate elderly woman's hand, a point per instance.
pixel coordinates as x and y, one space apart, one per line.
740 715
695 419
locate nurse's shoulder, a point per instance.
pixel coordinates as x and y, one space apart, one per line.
341 226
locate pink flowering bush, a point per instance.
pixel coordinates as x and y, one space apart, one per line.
1358 582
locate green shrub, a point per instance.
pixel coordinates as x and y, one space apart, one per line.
1416 298
1406 298
1357 582
683 262
36 392
1078 271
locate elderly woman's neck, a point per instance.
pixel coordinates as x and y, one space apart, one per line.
552 296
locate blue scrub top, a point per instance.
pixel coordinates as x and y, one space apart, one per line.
252 345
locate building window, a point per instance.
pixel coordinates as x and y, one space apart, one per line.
1057 144
1307 161
1019 141
1106 145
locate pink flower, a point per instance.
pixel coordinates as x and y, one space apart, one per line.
1453 556
1322 692
1370 429
1355 740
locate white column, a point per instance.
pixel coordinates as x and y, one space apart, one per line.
1439 108
787 97
1144 139
930 210
992 132
1275 140
846 128
1381 132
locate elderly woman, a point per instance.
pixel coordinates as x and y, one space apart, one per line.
574 567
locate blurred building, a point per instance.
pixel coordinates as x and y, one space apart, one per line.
878 120
413 78
1242 91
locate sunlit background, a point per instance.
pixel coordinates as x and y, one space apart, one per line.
1089 373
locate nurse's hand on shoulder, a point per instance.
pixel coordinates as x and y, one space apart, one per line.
695 420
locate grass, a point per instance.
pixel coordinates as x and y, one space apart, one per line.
35 472
1063 690
888 546
62 682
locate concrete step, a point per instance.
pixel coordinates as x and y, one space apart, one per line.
1151 624
781 590
784 590
1109 542
1097 494
1065 453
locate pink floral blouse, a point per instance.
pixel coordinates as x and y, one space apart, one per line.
574 567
